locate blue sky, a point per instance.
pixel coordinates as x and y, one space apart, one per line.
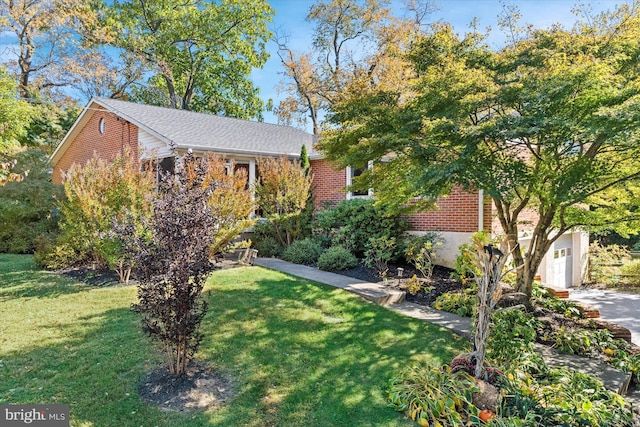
290 18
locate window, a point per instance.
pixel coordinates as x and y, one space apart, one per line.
354 173
168 164
101 125
160 166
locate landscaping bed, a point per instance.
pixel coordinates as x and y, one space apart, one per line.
561 327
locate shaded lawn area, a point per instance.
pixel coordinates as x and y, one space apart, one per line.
300 353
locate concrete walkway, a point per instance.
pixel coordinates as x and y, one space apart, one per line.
374 292
618 307
393 299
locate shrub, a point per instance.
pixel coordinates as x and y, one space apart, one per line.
171 262
461 303
282 193
231 201
358 220
605 261
379 251
464 267
263 239
304 251
420 251
563 397
337 258
630 272
96 195
434 396
26 205
415 285
511 339
463 363
551 302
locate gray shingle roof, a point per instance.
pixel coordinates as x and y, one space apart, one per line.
187 129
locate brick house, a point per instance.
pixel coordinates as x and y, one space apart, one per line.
108 127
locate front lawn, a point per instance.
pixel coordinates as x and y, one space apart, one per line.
300 353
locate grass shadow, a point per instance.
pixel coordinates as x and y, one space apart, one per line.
21 278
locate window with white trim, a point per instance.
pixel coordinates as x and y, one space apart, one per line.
354 173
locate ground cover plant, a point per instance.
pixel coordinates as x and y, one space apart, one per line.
299 353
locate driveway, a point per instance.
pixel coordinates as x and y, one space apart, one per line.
617 307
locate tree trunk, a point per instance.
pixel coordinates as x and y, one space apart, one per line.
171 87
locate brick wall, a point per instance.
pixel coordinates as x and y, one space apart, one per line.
117 136
328 184
457 212
526 220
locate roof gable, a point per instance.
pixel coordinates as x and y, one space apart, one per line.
183 129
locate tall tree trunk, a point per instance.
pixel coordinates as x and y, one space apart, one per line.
174 101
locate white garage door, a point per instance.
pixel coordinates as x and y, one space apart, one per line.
563 262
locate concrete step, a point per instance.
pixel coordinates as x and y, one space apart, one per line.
459 325
381 295
613 379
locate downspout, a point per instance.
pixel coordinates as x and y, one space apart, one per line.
480 210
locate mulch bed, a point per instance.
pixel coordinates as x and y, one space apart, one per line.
199 388
92 276
439 283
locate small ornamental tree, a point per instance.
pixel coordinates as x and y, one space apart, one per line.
282 193
231 201
171 261
304 160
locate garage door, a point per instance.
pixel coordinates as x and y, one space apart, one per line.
563 262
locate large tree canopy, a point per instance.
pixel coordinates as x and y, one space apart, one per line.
354 45
51 47
200 52
549 124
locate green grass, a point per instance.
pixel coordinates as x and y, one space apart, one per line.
300 353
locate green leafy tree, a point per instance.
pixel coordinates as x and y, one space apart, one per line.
200 52
52 39
15 118
26 205
549 125
49 124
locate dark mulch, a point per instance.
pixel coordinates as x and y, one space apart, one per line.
92 276
439 283
105 277
199 388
